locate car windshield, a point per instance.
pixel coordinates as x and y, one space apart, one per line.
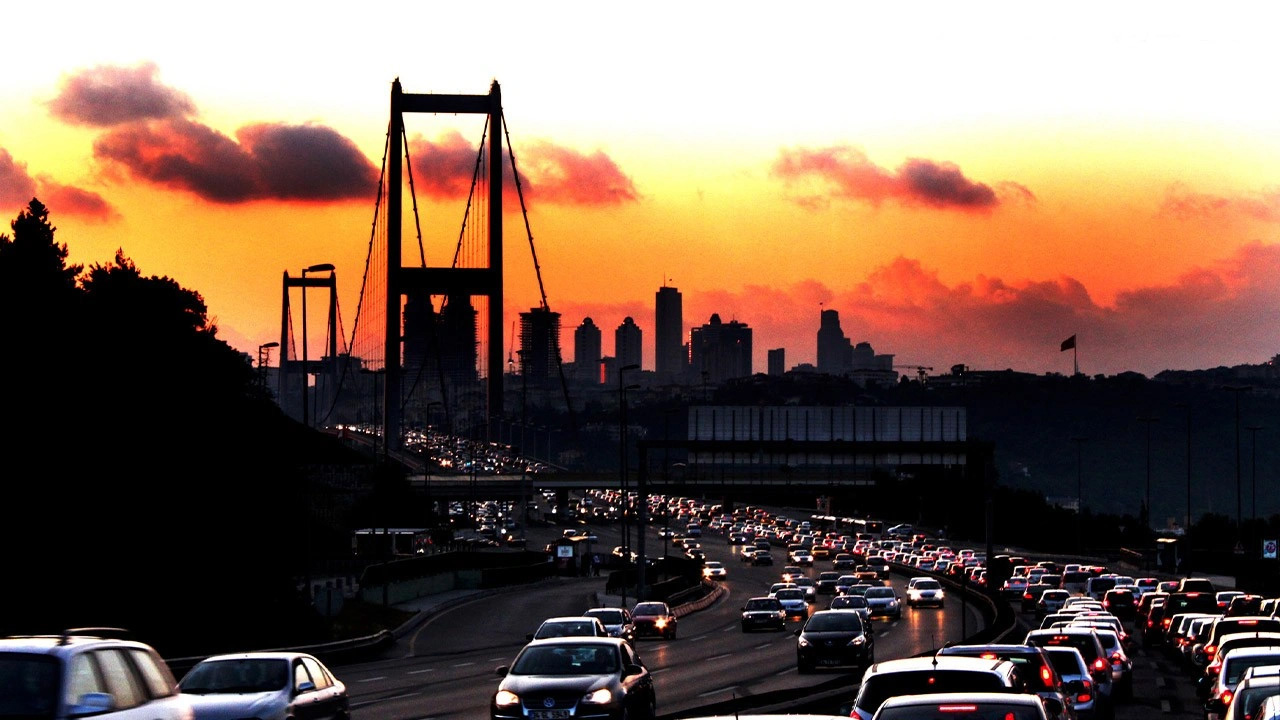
880 592
791 594
763 604
566 660
878 688
564 629
834 622
30 685
849 601
650 609
609 617
236 676
928 585
1233 669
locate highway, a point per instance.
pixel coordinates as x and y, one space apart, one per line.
446 669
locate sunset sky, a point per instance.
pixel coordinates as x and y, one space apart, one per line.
964 182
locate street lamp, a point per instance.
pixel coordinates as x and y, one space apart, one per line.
306 371
1253 467
1237 389
264 357
1146 507
1186 530
622 467
1079 441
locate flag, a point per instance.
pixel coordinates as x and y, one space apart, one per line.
1068 343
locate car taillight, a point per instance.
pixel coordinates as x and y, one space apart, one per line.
1226 697
1210 650
1046 676
1115 657
1165 623
1100 664
958 708
1087 693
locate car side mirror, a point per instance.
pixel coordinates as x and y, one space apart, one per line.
798 631
528 637
632 670
501 671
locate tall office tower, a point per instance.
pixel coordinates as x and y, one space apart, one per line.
835 352
720 350
458 344
777 361
670 359
627 343
540 344
586 352
421 334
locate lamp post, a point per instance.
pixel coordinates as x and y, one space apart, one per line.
1146 506
1186 530
306 371
264 357
622 468
1079 441
1237 389
1253 468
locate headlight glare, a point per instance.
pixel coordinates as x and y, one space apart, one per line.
598 697
803 643
506 698
858 640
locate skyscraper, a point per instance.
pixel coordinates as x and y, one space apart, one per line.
627 341
721 350
586 352
835 352
539 344
670 360
777 361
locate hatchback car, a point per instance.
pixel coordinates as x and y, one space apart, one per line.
86 672
569 626
962 705
599 678
714 570
833 638
616 621
265 685
793 601
925 592
1077 681
1035 668
932 675
654 619
1086 641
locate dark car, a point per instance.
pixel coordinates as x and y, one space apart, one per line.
598 678
1031 595
1121 603
616 621
654 619
1035 668
763 612
834 638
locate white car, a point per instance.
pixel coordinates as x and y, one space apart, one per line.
265 685
714 570
793 602
925 591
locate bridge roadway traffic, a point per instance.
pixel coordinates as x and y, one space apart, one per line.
445 668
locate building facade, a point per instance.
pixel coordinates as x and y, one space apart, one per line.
670 354
587 352
720 351
627 343
539 344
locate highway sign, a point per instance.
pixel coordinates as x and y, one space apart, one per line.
1269 549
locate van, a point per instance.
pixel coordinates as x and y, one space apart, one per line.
1097 587
1075 581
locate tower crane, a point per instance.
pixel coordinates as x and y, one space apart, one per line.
921 371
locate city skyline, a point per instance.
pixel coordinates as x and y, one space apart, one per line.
965 185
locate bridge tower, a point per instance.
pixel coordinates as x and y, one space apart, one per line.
402 281
296 406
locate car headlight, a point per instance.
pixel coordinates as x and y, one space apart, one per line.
802 642
660 622
858 640
598 697
506 698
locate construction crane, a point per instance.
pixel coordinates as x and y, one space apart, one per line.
921 371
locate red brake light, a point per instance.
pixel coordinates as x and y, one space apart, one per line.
1045 675
1099 664
1226 697
988 656
958 708
1210 650
1248 622
1086 694
1115 657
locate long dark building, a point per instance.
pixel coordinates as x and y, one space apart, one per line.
539 344
670 355
721 350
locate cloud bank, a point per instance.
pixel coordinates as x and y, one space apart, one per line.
846 173
109 95
17 187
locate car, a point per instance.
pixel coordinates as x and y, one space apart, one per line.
56 677
827 582
762 557
1121 663
617 621
925 592
1077 681
834 638
654 618
883 601
1037 671
1255 686
791 572
1222 686
265 685
1031 595
1084 639
810 588
601 678
928 706
793 601
851 602
748 551
932 675
569 626
714 570
774 588
763 612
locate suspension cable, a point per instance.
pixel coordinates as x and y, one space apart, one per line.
524 212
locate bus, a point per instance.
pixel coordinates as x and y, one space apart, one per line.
860 528
868 529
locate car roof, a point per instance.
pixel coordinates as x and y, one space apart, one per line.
936 662
578 640
63 644
566 619
260 655
964 697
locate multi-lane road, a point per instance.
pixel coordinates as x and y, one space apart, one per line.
445 669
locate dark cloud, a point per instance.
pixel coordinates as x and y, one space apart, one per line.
1180 202
849 174
270 161
17 187
109 95
548 173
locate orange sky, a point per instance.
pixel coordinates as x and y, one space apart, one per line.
963 185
